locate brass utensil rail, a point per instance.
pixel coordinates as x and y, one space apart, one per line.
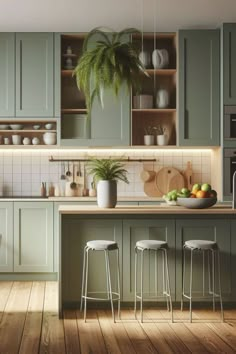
52 159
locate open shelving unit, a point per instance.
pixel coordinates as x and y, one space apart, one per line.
164 78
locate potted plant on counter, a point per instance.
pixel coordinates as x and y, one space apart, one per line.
106 173
108 64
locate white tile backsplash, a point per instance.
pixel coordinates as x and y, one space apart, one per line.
22 172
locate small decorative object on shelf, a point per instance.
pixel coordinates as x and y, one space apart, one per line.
68 50
26 141
16 139
145 58
160 58
162 98
162 137
149 137
35 141
143 102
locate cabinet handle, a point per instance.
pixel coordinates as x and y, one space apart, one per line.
20 74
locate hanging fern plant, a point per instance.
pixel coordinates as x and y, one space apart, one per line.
110 64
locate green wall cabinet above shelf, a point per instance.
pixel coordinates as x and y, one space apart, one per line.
199 88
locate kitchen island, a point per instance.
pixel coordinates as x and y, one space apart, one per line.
128 224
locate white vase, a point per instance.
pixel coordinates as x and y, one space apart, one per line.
148 139
162 139
162 98
107 194
145 59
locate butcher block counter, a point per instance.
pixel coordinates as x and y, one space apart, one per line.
128 224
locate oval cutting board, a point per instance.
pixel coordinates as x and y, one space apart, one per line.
168 178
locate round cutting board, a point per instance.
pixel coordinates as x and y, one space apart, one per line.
168 178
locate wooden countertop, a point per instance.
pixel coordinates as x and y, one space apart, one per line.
145 210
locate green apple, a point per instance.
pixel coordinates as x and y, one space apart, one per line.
196 186
206 187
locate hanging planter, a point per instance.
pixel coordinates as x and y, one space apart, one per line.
109 65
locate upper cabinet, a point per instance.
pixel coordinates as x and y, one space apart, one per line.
34 75
229 64
199 87
108 126
7 74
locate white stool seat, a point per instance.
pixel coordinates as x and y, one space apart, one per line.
151 244
102 245
201 245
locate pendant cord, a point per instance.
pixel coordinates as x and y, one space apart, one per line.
142 20
154 40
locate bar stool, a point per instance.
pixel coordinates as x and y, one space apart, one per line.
106 247
211 248
156 246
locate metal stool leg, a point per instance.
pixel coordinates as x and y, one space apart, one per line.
165 280
86 285
135 282
213 279
183 281
109 282
82 287
168 283
203 273
219 283
191 283
118 281
141 296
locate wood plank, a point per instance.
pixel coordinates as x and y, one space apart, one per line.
5 289
13 319
32 329
52 338
137 335
71 332
108 333
90 334
166 331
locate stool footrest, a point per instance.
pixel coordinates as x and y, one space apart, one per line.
115 298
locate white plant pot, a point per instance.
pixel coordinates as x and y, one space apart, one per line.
107 194
162 139
148 139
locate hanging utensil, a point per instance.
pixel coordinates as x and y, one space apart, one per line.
85 190
73 185
63 176
79 174
68 173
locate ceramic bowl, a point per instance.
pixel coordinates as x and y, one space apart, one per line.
49 138
49 126
36 126
16 126
196 203
4 126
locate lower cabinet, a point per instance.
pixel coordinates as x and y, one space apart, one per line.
6 236
33 237
153 229
210 229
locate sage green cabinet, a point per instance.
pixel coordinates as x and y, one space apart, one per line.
229 64
210 229
145 229
6 237
108 125
199 87
7 74
33 237
34 74
77 232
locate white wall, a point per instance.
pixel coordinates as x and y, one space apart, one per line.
83 15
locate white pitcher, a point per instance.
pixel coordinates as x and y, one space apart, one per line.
162 98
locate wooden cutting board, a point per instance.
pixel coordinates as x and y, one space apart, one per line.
168 178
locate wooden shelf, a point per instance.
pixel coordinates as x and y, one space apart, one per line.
151 35
74 110
156 110
161 72
67 72
23 131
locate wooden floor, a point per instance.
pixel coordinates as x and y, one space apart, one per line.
29 324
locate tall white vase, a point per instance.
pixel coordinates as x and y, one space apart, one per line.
107 194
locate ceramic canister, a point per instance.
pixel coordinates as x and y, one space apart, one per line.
162 98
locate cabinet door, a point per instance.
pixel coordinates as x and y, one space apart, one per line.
199 87
33 237
135 230
7 75
229 63
6 236
34 75
76 233
215 230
